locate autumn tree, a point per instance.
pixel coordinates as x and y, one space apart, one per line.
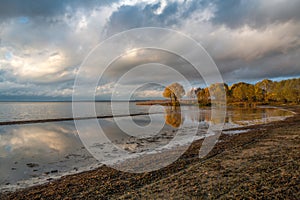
264 91
219 91
203 96
289 90
174 91
243 92
259 93
266 87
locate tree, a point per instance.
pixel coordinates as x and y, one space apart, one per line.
174 91
285 91
219 91
259 93
243 92
291 90
203 96
266 86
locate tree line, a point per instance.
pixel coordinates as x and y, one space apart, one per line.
265 91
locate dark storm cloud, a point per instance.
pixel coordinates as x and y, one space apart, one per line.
128 17
150 56
272 66
232 13
255 13
33 8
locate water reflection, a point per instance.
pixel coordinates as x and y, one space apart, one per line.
234 116
30 141
40 149
173 116
28 151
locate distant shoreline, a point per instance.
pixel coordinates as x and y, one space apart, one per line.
195 103
133 101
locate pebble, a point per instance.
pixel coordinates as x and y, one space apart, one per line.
31 165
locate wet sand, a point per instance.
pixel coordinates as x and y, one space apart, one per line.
262 163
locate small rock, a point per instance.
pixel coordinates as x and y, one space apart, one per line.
13 168
31 165
54 171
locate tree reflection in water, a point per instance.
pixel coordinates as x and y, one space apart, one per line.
173 116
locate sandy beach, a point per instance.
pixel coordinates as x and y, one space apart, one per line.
261 163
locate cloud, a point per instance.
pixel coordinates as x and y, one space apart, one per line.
43 43
144 91
40 66
148 59
33 8
246 52
128 17
256 13
29 90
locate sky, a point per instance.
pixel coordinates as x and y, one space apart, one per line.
43 43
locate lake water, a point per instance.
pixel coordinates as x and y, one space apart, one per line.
38 152
21 111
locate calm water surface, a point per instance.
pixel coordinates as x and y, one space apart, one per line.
21 111
35 152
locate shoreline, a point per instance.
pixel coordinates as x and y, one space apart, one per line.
35 121
109 180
